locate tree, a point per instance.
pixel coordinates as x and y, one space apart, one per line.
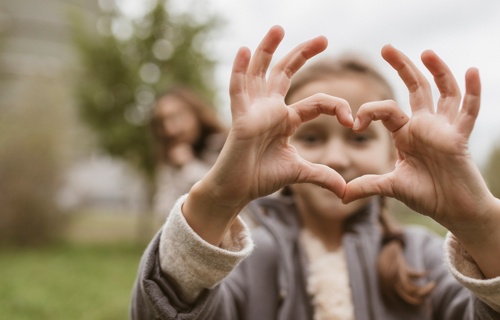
127 63
32 149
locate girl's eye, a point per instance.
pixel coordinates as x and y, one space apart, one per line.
309 139
360 139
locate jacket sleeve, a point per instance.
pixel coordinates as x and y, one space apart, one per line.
463 267
179 273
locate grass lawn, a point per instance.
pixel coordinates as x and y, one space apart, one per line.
89 276
67 282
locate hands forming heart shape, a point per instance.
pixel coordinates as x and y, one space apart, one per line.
434 173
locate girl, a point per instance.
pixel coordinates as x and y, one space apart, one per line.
325 248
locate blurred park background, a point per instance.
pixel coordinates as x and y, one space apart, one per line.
77 82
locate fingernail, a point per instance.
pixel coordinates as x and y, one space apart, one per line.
356 124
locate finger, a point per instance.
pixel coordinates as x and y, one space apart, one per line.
392 117
311 107
237 83
281 74
368 185
472 102
322 176
417 84
262 58
449 100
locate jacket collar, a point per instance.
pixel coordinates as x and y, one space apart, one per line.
280 212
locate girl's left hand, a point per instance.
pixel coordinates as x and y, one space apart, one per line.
435 173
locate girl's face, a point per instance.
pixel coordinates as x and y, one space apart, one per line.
323 140
177 122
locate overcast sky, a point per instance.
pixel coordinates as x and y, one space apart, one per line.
464 33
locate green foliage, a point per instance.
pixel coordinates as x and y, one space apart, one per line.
406 216
122 74
31 163
491 171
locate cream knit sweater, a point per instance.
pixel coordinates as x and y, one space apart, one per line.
328 280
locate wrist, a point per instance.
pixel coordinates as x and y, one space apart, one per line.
209 214
478 223
481 238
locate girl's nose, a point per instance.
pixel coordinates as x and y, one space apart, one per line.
336 155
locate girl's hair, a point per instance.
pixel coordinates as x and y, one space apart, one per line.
347 65
397 280
205 113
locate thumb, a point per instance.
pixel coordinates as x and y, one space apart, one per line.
368 185
323 176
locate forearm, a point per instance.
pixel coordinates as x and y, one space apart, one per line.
209 218
481 239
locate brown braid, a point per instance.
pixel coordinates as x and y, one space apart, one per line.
397 280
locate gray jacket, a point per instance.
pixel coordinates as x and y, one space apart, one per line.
270 283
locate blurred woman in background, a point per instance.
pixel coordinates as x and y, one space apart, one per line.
190 136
